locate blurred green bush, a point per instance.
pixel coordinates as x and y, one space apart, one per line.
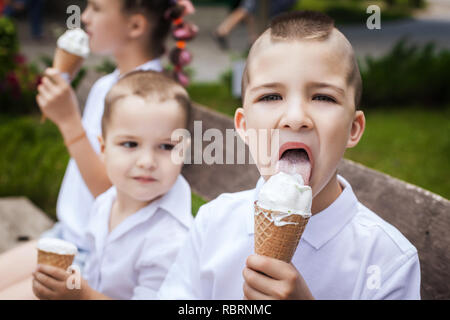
354 11
407 75
19 79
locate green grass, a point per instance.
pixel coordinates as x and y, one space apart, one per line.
197 202
411 144
215 96
34 160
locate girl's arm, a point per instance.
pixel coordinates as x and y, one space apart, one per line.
58 102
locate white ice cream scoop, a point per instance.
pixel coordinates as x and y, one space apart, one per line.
75 41
57 246
285 195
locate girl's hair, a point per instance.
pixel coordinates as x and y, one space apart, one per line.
166 15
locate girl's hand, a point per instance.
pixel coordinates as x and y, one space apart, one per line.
50 283
57 100
268 278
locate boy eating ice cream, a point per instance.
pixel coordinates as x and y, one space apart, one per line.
302 81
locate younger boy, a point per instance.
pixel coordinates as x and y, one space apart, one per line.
137 226
301 81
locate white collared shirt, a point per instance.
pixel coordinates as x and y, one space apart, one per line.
132 260
346 252
74 199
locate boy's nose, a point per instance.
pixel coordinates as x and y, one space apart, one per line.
146 160
296 117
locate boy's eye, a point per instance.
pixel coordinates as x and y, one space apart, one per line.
324 98
270 97
167 146
129 144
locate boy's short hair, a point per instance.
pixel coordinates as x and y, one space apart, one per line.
305 25
149 85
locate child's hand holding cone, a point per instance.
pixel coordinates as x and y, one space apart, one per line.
281 214
72 49
269 278
56 99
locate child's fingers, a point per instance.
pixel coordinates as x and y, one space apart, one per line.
47 281
41 291
274 268
41 101
55 76
261 282
252 294
44 93
48 85
53 272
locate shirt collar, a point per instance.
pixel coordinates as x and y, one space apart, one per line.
154 64
332 219
178 201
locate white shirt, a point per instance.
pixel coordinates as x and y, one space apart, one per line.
132 260
346 252
74 199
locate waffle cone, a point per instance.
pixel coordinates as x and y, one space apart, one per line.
57 260
277 242
67 62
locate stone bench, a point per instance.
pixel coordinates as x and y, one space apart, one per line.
423 217
20 220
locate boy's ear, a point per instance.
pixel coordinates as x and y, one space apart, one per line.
138 24
102 147
358 126
240 124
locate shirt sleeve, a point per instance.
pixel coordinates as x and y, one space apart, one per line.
183 280
401 283
153 266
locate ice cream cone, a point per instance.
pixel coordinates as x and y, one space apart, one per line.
279 242
62 261
67 62
56 252
72 49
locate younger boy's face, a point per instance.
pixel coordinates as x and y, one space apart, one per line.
137 147
301 89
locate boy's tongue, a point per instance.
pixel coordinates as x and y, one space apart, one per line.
296 161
